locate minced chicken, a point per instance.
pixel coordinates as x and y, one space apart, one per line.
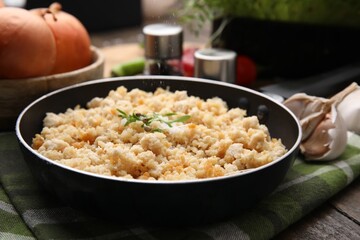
159 135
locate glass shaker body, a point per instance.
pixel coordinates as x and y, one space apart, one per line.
163 49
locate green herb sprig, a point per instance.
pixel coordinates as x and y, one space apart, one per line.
148 119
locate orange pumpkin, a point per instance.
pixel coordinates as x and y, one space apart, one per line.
71 38
27 45
41 42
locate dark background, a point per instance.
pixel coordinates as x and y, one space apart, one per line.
98 15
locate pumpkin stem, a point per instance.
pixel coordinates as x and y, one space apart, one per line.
53 9
43 12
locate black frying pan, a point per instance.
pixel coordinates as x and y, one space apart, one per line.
194 201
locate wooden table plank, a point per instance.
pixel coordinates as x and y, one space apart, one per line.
348 201
324 223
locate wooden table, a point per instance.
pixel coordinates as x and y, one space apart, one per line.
338 218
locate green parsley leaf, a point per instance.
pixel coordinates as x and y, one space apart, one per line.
148 119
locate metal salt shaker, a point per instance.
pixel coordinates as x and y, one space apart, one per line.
216 64
163 45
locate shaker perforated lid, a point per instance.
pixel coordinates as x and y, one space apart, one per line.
163 41
216 64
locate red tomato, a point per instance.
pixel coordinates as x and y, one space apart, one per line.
245 71
188 62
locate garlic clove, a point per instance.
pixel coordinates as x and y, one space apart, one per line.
297 103
309 123
309 110
328 140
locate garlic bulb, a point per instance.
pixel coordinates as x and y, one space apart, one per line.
349 107
324 130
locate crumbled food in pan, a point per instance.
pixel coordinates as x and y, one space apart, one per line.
159 135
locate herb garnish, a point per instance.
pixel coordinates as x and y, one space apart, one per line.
148 119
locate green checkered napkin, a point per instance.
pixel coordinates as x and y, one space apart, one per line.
27 212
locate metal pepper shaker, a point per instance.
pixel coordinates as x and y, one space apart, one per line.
216 64
163 45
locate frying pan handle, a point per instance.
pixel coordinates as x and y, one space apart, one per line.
321 85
